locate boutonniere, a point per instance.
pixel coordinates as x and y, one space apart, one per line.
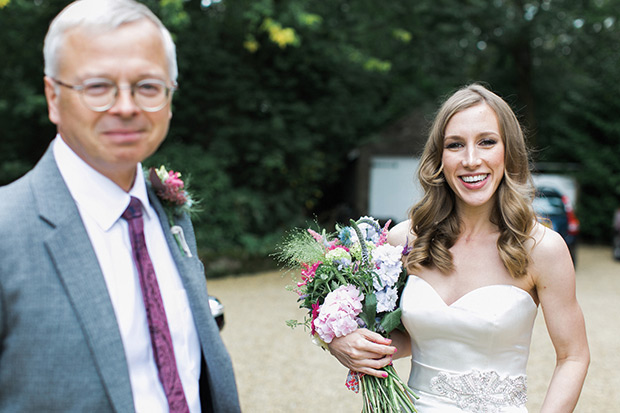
175 199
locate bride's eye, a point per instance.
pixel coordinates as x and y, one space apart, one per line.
488 142
453 145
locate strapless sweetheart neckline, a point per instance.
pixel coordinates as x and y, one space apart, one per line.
474 291
471 355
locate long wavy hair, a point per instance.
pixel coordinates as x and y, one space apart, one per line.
434 219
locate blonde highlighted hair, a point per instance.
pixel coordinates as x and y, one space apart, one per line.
434 220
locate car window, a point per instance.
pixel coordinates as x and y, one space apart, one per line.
548 205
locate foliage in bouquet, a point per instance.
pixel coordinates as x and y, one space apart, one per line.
349 279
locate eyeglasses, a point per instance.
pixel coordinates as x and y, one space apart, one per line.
100 94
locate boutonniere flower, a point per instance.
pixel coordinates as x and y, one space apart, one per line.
175 199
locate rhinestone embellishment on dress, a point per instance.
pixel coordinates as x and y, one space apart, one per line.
481 391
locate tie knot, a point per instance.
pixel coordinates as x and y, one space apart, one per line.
134 210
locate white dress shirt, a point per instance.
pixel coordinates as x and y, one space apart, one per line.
101 203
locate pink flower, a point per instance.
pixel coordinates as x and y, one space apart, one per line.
384 233
307 274
168 185
338 314
316 235
315 313
333 246
174 180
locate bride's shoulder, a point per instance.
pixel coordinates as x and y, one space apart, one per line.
548 248
401 234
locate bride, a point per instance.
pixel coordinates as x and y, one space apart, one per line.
480 265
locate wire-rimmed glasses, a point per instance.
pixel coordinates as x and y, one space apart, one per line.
100 94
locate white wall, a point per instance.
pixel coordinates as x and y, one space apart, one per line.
394 187
566 185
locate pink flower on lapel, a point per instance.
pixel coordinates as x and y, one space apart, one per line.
175 199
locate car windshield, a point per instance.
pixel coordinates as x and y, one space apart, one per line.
548 205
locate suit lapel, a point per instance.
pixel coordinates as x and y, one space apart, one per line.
79 272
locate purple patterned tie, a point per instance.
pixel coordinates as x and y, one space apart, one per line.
155 313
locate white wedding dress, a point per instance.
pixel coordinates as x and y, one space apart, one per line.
470 356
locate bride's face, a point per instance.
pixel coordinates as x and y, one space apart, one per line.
473 156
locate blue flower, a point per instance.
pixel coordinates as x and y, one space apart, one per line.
347 236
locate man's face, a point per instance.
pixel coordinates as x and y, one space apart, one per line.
113 141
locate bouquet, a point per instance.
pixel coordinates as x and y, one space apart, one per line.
352 279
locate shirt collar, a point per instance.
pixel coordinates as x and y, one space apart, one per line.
96 195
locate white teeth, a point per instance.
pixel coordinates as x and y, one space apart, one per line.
473 179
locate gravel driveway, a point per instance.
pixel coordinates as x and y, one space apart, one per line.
280 370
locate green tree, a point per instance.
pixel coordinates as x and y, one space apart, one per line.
275 94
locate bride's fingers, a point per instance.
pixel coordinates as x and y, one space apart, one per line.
366 341
374 337
363 351
372 367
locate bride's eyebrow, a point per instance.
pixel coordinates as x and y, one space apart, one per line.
489 134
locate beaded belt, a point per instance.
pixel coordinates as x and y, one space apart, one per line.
474 391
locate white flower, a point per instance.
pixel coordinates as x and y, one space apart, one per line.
386 299
388 265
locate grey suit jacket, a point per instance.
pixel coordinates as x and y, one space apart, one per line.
60 346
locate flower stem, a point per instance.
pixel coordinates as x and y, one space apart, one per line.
389 395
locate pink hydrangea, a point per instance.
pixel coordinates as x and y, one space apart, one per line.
338 314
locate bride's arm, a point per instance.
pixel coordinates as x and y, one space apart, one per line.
554 276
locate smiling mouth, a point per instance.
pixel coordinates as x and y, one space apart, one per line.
474 179
124 134
122 131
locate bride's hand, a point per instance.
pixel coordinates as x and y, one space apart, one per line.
363 351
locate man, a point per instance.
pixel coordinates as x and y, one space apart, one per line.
92 320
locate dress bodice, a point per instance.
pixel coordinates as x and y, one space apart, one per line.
470 355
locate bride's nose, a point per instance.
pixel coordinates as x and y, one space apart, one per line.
471 158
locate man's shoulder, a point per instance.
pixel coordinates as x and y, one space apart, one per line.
22 186
15 193
18 198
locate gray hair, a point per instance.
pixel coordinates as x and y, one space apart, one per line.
101 15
